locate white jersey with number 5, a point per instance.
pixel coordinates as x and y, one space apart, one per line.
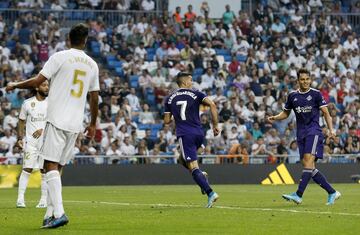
72 74
33 112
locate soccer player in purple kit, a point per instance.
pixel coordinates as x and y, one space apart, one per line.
183 104
307 103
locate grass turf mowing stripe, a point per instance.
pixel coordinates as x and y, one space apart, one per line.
219 207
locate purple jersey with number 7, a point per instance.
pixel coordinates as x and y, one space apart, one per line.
184 105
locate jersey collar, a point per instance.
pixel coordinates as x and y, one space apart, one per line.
303 92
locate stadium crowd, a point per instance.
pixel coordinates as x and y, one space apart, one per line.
246 63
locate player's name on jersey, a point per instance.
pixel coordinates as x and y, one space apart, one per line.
81 60
189 93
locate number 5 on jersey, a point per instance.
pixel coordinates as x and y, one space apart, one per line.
182 109
77 80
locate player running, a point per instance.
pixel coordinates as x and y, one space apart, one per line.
72 74
33 115
307 103
183 104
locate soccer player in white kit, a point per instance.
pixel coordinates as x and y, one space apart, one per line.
33 115
72 75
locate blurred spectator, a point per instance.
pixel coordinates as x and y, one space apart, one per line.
228 16
148 5
146 117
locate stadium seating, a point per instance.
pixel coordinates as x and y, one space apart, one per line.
134 81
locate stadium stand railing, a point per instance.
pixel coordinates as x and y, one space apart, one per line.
69 17
205 159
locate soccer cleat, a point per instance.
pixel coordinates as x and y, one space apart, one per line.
292 197
47 220
332 197
57 222
41 204
207 179
20 204
212 199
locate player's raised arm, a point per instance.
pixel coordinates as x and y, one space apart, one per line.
328 120
214 115
281 116
27 84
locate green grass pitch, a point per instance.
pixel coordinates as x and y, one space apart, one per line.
241 209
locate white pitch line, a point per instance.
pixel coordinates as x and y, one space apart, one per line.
219 207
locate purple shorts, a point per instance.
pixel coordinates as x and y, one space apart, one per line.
312 144
189 145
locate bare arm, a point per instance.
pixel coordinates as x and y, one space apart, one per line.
328 120
20 133
94 109
27 84
281 116
214 115
167 118
20 129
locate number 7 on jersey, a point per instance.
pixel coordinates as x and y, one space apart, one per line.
182 109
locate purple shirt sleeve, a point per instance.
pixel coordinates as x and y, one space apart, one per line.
321 102
288 104
201 96
167 106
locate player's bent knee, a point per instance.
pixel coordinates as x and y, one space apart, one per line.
308 161
192 165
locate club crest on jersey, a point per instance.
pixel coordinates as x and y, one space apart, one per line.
295 99
32 104
309 98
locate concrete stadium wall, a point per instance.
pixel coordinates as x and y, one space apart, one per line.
176 174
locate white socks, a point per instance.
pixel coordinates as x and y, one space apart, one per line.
50 207
23 181
44 188
54 185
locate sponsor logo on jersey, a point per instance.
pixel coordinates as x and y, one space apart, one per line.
305 109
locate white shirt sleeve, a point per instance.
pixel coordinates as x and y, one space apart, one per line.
51 67
22 115
94 84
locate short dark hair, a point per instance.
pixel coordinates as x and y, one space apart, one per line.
303 70
180 76
78 34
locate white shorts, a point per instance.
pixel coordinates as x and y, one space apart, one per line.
32 158
58 144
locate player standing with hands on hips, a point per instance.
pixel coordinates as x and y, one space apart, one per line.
72 75
307 103
33 117
183 104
